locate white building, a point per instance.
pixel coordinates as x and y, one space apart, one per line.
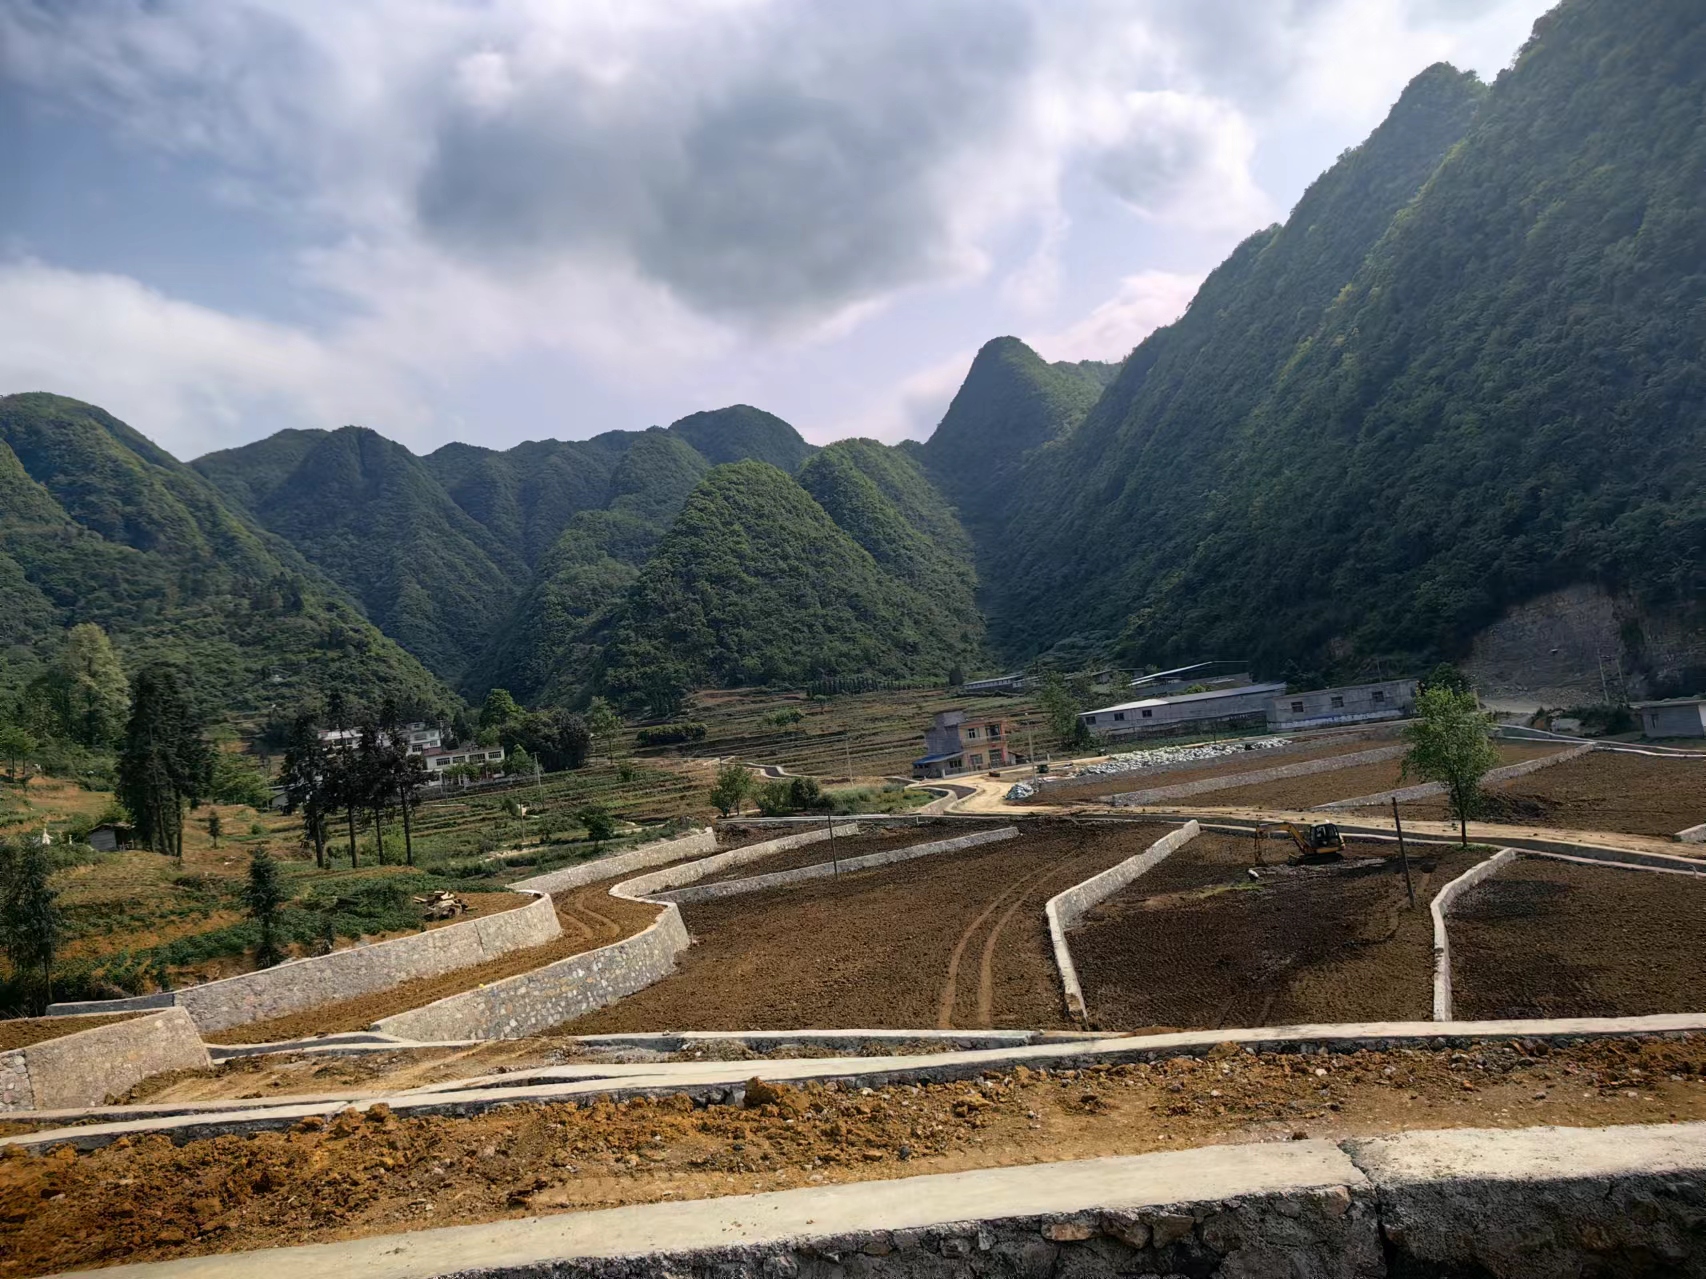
1241 707
1351 704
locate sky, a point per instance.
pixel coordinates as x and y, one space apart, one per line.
501 220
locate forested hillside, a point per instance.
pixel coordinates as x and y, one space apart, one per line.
754 583
1466 370
98 525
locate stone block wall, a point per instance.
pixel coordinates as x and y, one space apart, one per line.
655 854
1278 773
570 988
88 1066
1442 943
823 870
549 996
1064 910
1427 790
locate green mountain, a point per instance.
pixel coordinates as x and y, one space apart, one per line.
1467 370
99 525
742 433
549 648
372 516
755 583
525 496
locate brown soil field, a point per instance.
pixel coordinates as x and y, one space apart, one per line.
21 1032
1344 783
1197 944
870 841
372 1173
590 918
957 939
1628 794
1549 938
1090 789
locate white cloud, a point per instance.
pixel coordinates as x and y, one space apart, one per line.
656 187
197 378
1144 303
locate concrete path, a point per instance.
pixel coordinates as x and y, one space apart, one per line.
1521 1201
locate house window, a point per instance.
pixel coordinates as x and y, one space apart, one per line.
971 734
956 763
1297 707
1089 719
977 761
1380 695
1148 714
1338 703
993 731
1119 715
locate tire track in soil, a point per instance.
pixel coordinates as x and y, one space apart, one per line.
986 965
945 1005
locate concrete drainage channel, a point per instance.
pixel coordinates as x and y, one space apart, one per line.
1521 1204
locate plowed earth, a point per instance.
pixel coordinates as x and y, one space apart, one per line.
952 939
1631 794
21 1032
1196 943
877 840
1295 793
373 1173
1549 938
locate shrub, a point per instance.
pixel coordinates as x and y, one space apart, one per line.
669 734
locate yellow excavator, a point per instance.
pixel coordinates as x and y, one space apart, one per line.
1319 842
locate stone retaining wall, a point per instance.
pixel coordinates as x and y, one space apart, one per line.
1064 910
1278 773
532 1002
299 984
1529 1203
823 870
1693 835
549 996
652 887
1442 943
1427 790
88 1066
655 854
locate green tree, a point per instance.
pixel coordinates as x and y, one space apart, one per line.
237 779
603 723
1445 675
213 827
774 798
16 747
96 691
733 785
163 764
600 825
30 920
1451 743
307 786
1061 707
518 763
264 895
498 709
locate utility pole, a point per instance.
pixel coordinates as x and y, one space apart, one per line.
1403 857
834 862
847 750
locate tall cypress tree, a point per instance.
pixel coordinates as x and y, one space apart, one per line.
163 764
308 783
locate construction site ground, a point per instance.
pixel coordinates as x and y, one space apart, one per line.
1603 790
1550 938
1344 783
368 1173
953 939
1198 944
1093 786
590 918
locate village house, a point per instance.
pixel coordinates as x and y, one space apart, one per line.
1221 708
1351 704
956 743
